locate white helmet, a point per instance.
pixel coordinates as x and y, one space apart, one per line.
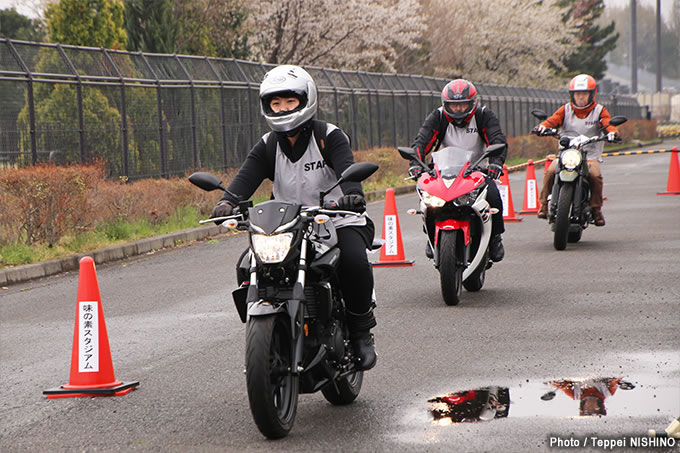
288 80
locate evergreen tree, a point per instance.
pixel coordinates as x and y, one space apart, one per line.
151 26
94 23
14 25
594 43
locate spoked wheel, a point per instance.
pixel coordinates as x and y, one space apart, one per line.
562 217
344 390
272 389
450 273
476 279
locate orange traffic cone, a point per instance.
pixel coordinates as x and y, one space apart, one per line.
392 253
91 365
506 197
530 205
673 186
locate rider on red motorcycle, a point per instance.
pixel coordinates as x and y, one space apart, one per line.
460 122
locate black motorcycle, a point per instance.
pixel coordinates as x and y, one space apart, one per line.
297 340
569 211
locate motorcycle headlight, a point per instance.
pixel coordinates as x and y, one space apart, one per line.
571 159
273 248
432 201
467 199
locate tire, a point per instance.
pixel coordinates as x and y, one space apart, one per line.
348 388
575 236
476 279
272 389
450 273
562 217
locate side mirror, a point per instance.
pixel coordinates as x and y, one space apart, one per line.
539 114
494 150
358 171
206 181
407 153
615 121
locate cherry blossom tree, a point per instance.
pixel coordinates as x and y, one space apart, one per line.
514 42
343 34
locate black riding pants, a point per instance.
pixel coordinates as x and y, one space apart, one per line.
493 196
354 269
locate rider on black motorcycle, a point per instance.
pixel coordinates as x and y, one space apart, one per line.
581 116
459 122
304 156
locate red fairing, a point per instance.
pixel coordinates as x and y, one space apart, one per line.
460 186
452 224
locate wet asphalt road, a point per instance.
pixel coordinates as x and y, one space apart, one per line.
607 307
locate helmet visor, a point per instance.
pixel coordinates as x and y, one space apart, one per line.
281 102
459 109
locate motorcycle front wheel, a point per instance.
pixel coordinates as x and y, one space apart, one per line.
562 217
344 390
272 388
476 279
450 273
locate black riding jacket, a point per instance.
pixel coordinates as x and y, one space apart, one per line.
433 130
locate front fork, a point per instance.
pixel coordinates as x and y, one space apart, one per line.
292 307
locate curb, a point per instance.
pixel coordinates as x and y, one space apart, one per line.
27 272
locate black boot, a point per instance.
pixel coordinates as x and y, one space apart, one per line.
361 338
428 250
496 249
364 349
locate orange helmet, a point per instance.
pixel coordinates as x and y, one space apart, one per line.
583 82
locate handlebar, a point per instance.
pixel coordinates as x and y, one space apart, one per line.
241 223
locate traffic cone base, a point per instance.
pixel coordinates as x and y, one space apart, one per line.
530 205
673 186
91 364
71 391
392 252
506 197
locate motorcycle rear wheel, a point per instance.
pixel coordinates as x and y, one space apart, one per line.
348 388
476 279
450 273
272 389
562 217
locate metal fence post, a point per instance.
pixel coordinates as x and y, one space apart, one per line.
124 151
159 100
194 148
31 102
222 114
79 98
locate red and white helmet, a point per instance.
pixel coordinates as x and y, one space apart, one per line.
456 92
583 82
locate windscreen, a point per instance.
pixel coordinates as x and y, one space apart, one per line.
451 160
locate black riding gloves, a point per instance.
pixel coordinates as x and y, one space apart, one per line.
494 171
223 209
352 202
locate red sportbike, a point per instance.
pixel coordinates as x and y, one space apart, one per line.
456 216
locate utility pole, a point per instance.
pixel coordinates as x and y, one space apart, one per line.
633 47
659 88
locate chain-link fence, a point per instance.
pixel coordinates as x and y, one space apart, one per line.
157 115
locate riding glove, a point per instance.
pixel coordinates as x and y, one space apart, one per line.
352 202
540 129
494 171
223 209
613 137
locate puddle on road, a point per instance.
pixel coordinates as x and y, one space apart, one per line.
607 396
